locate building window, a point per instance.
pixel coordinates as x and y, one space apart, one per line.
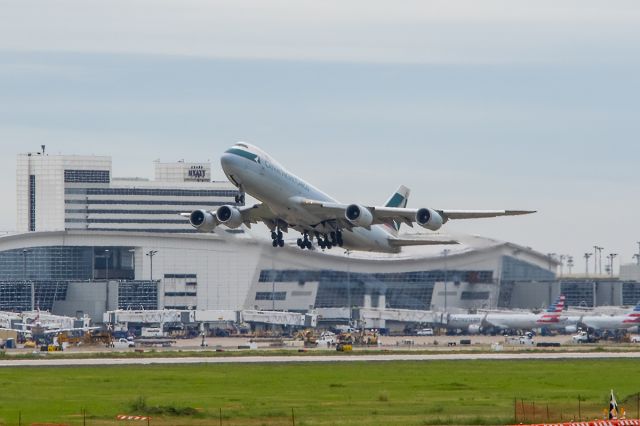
32 202
267 295
474 295
86 176
153 191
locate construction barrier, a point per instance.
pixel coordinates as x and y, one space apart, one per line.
627 422
126 417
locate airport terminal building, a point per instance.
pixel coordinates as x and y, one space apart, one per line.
89 243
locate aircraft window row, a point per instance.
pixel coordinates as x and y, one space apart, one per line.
153 191
266 295
116 211
151 202
87 176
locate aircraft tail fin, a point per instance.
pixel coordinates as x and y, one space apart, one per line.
558 305
399 199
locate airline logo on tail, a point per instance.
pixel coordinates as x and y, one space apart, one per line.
552 314
399 200
633 317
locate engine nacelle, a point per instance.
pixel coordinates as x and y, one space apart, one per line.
203 220
570 329
359 216
229 216
429 219
474 328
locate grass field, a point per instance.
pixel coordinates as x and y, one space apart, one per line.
359 393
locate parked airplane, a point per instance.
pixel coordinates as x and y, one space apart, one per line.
290 202
613 322
527 321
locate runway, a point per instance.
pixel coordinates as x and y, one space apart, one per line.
44 362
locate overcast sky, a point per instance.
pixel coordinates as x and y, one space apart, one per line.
472 104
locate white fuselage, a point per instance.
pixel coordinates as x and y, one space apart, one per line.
608 322
267 181
526 321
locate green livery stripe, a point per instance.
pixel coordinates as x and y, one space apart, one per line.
395 201
242 153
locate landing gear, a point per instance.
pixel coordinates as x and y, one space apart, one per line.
277 238
239 198
304 242
325 241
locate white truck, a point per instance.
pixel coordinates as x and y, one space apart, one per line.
122 343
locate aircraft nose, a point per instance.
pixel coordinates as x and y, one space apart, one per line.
228 162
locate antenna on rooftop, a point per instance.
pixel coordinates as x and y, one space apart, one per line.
43 146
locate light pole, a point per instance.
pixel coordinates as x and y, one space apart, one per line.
586 263
151 253
569 263
611 256
599 249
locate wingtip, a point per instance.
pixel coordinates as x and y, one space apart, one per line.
520 212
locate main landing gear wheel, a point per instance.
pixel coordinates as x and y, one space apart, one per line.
277 238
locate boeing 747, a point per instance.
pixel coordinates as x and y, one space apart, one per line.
288 202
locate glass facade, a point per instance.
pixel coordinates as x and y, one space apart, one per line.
578 293
402 290
630 293
51 268
87 176
138 295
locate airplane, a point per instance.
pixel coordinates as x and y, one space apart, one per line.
470 323
613 322
551 318
288 202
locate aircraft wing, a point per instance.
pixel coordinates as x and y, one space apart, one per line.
250 214
257 213
385 215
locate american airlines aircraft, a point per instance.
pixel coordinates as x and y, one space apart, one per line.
550 318
613 322
475 323
288 202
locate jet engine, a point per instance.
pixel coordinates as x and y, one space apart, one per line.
571 329
359 216
474 328
429 219
229 216
203 220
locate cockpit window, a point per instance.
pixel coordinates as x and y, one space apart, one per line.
244 145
